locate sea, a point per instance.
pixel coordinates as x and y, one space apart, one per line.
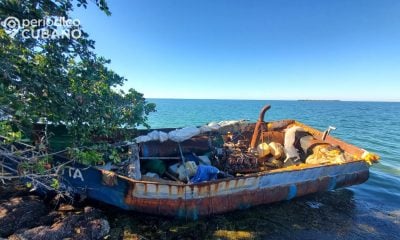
367 211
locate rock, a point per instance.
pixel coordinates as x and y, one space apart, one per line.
99 228
22 212
89 224
66 207
24 216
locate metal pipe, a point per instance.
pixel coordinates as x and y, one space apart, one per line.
327 132
183 161
262 113
260 121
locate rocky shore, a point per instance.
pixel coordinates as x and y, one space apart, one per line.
25 216
329 215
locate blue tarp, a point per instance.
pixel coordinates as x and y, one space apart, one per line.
205 173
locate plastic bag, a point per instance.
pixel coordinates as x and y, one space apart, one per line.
214 126
141 139
205 128
180 135
163 136
205 173
154 135
189 169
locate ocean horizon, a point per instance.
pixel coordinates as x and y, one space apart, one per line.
311 100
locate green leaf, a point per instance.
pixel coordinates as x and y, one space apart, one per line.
55 183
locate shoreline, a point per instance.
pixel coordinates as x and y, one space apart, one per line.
334 215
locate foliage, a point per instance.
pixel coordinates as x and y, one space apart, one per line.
114 156
62 80
37 165
7 131
55 183
97 154
87 157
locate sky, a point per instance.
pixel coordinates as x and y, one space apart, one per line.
252 49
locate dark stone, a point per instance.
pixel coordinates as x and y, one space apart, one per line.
22 212
24 216
89 224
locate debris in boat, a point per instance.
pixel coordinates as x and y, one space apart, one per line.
182 134
205 173
187 170
369 157
263 150
239 161
152 175
273 163
191 142
326 154
173 169
237 158
291 151
302 147
276 150
155 166
172 177
191 157
153 136
204 160
230 152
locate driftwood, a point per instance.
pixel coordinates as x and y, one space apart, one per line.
15 154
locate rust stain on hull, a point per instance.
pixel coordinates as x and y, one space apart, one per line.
192 201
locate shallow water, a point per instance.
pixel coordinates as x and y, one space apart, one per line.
367 211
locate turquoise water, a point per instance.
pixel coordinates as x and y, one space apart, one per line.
374 126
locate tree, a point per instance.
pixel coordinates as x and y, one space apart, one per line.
61 79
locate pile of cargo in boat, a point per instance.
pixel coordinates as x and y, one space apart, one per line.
230 149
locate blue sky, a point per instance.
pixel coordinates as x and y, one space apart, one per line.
247 49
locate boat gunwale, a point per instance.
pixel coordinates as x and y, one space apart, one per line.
300 167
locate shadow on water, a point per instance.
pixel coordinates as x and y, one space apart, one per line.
330 215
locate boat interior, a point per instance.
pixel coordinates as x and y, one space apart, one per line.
240 148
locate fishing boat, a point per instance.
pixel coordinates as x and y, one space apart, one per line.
221 167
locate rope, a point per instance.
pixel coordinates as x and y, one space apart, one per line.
183 161
187 177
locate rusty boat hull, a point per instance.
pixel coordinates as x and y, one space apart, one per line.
222 195
204 199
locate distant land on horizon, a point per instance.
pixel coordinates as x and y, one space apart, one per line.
320 100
